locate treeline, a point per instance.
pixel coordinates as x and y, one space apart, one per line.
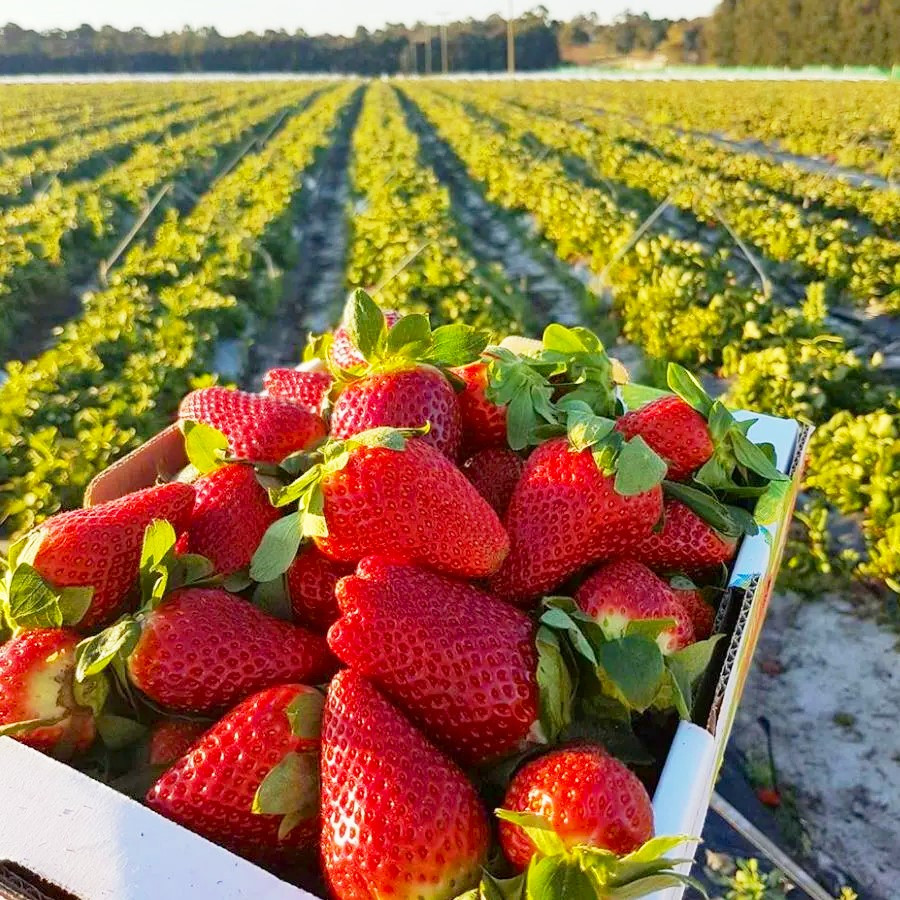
470 45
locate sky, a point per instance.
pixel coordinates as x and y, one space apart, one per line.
314 16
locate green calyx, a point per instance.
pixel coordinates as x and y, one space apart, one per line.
28 600
281 542
408 342
583 872
626 666
205 446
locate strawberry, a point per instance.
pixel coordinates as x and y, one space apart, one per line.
93 554
459 663
258 428
170 739
585 795
307 389
494 471
685 543
40 703
399 819
230 516
343 351
250 783
483 421
383 493
401 398
624 591
201 650
565 514
692 598
674 430
311 581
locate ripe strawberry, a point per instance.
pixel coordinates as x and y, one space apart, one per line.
483 421
170 739
250 783
399 819
39 704
686 543
677 432
495 472
202 649
564 515
344 353
231 514
311 581
258 428
624 591
100 547
403 504
401 398
586 795
458 662
306 389
701 611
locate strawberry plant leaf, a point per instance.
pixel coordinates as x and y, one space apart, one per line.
538 829
632 668
74 602
651 884
365 324
556 689
656 847
290 789
273 599
754 458
304 713
206 447
410 338
638 395
587 430
560 620
456 345
771 505
693 660
559 876
277 549
118 732
688 388
237 581
95 653
25 549
92 693
648 628
715 514
638 468
720 422
492 888
30 602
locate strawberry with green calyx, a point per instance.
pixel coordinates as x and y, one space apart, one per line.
462 665
403 382
697 603
341 348
251 782
629 666
384 492
495 472
581 499
78 568
195 648
399 819
231 510
258 428
311 581
308 388
699 437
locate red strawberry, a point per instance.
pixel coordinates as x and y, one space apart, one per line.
495 472
586 795
258 428
401 398
483 422
343 351
673 429
404 504
170 739
231 514
100 547
311 581
37 685
564 515
701 611
202 650
399 819
222 787
686 543
458 662
624 591
305 388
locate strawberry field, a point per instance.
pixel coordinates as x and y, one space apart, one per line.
157 240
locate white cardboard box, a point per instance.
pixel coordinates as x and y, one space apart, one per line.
97 844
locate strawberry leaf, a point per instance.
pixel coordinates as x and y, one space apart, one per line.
754 457
638 468
272 598
277 549
74 602
92 693
30 602
206 447
555 685
649 628
638 395
538 829
365 324
456 345
688 388
95 653
631 669
304 714
492 888
410 338
771 505
25 549
729 521
118 732
559 876
290 789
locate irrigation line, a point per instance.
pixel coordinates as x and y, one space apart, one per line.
798 875
764 281
404 263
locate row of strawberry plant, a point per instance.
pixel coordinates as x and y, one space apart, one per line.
405 240
864 267
56 241
119 370
671 308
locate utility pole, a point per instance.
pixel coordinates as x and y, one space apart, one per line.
413 56
427 49
445 63
510 42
